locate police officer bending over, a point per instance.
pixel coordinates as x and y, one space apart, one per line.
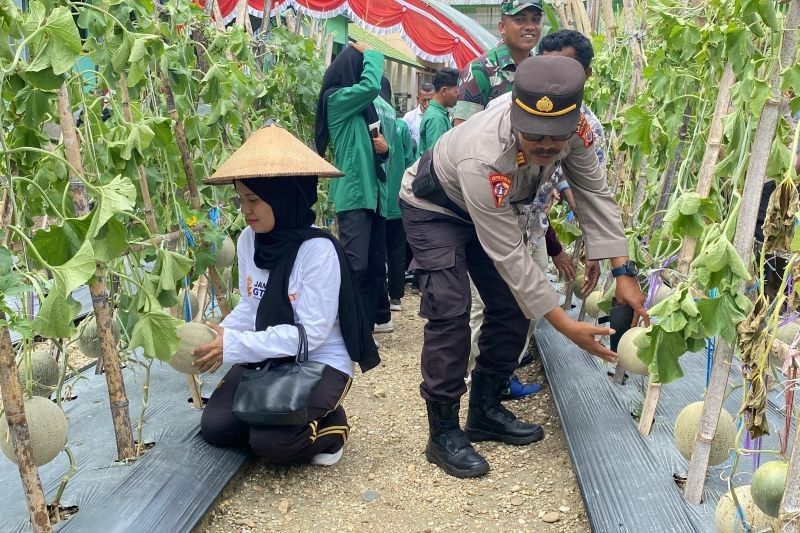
460 206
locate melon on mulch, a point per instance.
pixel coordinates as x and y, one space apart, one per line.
88 340
726 517
688 423
768 485
44 374
191 335
48 429
627 351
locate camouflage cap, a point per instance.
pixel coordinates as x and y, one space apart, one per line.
512 7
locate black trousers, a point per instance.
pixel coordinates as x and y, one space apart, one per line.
396 258
446 254
395 284
363 235
326 429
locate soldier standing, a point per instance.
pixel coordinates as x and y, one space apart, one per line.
460 206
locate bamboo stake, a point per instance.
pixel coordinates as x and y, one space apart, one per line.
241 12
649 408
149 213
743 242
637 54
14 406
576 254
789 516
607 9
194 194
100 300
582 17
710 157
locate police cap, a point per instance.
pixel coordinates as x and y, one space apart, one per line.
547 95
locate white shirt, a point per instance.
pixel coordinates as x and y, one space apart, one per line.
414 118
314 295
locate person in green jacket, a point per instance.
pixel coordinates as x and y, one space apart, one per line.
347 119
436 121
401 156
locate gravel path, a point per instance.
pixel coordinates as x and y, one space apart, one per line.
530 488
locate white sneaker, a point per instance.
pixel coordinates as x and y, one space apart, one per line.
388 327
327 459
395 305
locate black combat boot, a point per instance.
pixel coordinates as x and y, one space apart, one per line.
448 447
487 419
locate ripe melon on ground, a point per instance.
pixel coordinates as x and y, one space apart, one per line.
48 428
591 305
88 340
627 350
688 423
44 373
726 517
226 253
191 335
768 485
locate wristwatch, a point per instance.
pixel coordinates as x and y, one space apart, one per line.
628 269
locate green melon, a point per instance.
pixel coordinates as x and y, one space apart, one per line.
577 283
226 253
44 371
788 332
662 294
591 305
234 298
48 428
194 304
191 335
726 517
627 352
89 342
687 424
767 486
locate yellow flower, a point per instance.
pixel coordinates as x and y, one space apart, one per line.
191 221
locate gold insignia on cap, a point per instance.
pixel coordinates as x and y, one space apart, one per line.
549 113
545 105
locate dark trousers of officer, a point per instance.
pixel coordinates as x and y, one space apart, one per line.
447 253
396 258
362 233
325 430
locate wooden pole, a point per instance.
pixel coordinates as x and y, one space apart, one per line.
241 12
743 242
607 9
706 176
191 181
789 516
100 300
14 406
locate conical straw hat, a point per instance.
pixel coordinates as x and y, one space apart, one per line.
272 151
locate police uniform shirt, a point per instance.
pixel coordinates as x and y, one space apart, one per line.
482 170
314 295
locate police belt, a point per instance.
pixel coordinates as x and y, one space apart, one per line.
426 185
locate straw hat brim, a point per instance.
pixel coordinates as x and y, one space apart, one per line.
272 152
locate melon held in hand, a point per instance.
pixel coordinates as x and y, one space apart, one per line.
192 335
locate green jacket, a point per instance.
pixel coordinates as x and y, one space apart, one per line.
435 123
352 145
401 156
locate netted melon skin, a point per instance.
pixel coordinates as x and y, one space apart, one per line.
726 518
626 350
48 429
226 253
191 335
88 340
44 371
768 486
687 424
591 306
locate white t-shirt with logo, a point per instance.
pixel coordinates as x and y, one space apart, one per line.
314 295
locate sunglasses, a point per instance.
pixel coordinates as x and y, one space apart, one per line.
532 137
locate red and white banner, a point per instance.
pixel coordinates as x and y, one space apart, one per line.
429 34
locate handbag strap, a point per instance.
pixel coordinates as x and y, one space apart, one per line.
302 344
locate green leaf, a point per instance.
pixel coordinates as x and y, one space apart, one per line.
75 272
689 203
57 43
120 59
118 196
736 264
766 10
57 244
171 267
156 333
111 241
55 316
720 316
660 351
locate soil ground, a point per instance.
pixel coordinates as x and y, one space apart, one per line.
530 488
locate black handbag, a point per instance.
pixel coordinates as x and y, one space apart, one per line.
278 393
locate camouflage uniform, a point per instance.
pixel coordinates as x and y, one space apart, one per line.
483 80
